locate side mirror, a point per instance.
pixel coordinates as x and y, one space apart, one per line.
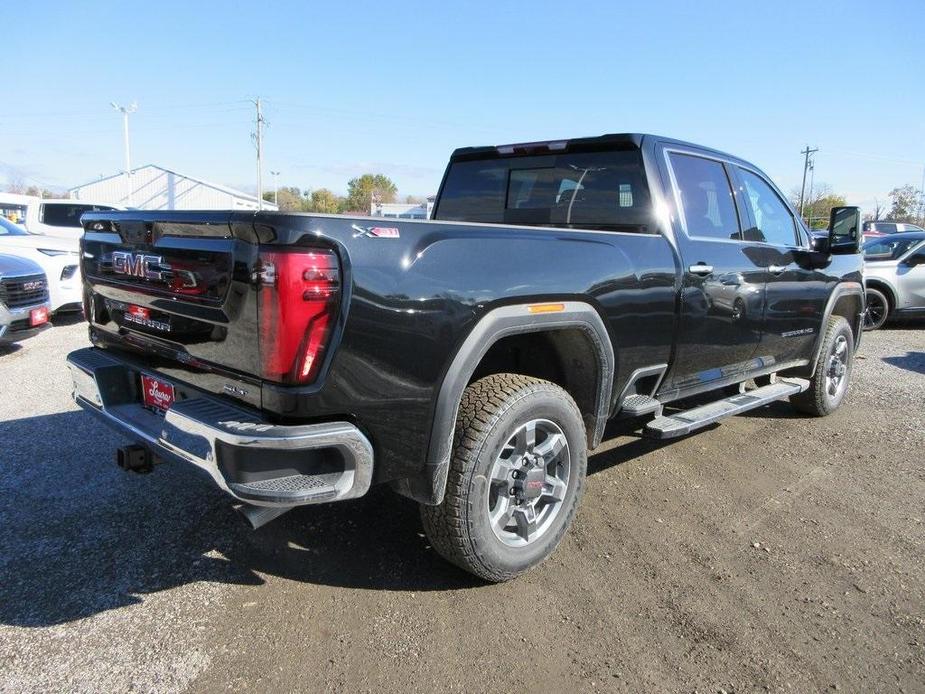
916 259
820 244
844 230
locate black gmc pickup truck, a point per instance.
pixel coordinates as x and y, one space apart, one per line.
470 361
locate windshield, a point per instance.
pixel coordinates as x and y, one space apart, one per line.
888 249
587 190
7 228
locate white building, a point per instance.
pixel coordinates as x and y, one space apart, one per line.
403 210
156 188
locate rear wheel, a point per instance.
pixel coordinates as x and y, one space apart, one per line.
877 310
829 383
516 475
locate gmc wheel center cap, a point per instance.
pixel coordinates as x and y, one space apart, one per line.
531 484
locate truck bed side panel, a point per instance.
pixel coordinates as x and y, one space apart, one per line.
409 303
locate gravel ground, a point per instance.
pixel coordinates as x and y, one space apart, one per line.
773 552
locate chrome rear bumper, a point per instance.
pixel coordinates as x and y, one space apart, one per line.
255 461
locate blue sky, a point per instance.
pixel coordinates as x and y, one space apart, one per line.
395 87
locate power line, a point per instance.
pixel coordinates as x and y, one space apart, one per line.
875 157
239 104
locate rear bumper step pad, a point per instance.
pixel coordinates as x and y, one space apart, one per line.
199 430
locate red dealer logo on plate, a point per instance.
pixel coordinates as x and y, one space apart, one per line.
38 316
156 393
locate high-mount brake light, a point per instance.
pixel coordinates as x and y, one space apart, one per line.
299 297
533 147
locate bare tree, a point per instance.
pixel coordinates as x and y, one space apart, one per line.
878 210
17 186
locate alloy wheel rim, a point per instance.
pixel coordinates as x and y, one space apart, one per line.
528 483
836 375
874 312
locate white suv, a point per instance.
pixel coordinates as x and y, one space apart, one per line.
59 259
894 273
60 217
23 298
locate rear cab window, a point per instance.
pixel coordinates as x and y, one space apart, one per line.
603 190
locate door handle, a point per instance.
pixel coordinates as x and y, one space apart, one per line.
776 269
700 269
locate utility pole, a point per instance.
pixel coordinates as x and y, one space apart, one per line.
806 153
126 110
258 140
275 175
921 214
812 180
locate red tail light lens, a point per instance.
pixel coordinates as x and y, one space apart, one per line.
299 296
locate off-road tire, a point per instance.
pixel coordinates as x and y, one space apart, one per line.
491 409
816 400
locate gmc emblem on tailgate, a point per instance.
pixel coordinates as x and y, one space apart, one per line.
141 265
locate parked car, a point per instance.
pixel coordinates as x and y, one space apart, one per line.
471 361
24 307
59 259
61 217
58 217
13 207
875 229
894 274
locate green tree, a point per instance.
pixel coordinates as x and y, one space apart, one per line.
289 199
817 206
360 192
905 202
324 201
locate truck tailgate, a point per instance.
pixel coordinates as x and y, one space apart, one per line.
176 287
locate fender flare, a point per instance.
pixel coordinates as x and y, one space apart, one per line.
842 289
494 325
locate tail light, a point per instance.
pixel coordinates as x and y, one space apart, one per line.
299 296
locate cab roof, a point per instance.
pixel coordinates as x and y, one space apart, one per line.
609 141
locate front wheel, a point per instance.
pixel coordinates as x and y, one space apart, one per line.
830 379
877 309
516 475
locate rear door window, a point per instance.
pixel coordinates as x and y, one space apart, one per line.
584 190
707 204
